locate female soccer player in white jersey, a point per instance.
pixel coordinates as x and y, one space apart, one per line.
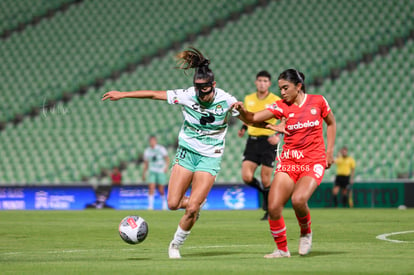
201 139
303 160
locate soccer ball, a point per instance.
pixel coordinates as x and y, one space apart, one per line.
133 229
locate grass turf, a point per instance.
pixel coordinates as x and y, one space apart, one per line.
222 242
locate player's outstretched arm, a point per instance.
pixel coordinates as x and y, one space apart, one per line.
116 95
257 119
250 117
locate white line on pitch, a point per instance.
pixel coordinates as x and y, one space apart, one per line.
384 237
124 249
63 251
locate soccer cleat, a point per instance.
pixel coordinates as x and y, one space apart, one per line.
305 244
174 251
278 254
201 206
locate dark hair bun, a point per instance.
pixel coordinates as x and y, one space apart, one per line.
204 63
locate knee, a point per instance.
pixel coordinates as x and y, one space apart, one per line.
274 210
266 180
173 204
247 177
298 201
192 210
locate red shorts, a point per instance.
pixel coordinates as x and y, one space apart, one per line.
297 170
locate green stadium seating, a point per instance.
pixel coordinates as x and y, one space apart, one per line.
16 13
89 41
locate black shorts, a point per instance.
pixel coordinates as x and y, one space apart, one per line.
260 151
342 181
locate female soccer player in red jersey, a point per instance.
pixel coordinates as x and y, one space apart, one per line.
303 161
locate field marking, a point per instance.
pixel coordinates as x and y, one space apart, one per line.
11 253
384 237
62 251
67 251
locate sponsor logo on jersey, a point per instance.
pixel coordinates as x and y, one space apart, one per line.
318 169
300 125
196 107
292 154
219 110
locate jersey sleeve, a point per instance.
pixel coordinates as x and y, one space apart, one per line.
276 109
353 164
325 109
145 155
176 96
164 152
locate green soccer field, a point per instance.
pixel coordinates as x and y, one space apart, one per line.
222 242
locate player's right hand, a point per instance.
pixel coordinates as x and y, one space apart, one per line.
112 95
280 128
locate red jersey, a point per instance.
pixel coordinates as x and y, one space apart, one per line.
116 178
305 125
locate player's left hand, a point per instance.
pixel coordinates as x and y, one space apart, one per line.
329 160
238 106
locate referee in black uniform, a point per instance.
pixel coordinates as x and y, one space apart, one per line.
262 143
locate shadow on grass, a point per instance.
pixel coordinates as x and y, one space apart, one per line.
320 253
225 253
212 254
192 255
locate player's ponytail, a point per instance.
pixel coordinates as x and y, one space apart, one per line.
294 76
193 58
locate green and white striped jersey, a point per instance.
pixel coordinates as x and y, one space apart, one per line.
205 124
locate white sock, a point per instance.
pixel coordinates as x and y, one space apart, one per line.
180 236
150 202
164 203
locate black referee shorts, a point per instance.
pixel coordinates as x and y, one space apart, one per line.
342 181
260 151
